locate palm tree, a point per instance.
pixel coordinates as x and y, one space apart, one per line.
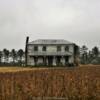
13 54
6 54
20 54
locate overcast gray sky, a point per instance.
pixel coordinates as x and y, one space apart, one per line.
74 20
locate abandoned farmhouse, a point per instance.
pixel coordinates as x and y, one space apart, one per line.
53 52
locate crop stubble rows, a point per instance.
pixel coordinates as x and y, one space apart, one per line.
71 83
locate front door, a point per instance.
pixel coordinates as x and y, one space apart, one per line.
58 60
66 60
50 60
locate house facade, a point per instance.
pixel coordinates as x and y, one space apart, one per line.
50 52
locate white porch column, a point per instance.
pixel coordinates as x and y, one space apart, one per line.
71 59
32 61
54 61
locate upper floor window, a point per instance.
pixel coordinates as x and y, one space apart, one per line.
44 48
35 48
67 48
58 48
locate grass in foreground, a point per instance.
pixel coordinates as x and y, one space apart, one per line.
79 83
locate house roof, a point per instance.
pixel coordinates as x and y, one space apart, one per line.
50 41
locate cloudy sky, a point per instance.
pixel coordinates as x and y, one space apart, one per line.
74 20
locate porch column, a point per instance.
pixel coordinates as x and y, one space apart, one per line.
32 61
54 60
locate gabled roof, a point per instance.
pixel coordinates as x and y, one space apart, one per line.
50 41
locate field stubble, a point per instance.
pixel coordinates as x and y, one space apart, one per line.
80 83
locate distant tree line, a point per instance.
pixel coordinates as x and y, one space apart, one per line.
13 57
89 56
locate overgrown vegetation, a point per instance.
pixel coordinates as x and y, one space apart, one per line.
80 83
12 58
89 56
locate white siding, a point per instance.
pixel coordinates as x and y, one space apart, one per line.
50 48
30 61
40 60
71 48
71 59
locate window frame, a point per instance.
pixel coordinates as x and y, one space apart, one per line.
44 49
66 48
58 48
35 48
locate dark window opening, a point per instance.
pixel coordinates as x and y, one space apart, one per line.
35 48
58 48
66 48
44 48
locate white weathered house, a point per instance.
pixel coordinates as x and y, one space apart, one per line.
50 52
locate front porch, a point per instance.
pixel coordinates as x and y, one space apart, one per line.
50 60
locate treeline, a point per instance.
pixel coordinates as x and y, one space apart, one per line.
13 57
89 56
17 57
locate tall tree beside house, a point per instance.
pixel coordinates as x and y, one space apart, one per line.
13 55
84 54
90 56
95 51
20 54
1 56
6 54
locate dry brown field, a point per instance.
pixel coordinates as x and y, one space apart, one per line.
78 83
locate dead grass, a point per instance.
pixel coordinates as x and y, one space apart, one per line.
79 83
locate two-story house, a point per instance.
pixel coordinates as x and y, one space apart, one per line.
50 52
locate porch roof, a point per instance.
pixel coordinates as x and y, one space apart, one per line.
50 54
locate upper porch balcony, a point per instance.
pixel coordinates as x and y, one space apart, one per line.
45 53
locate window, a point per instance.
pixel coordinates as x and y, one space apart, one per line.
35 48
44 48
58 48
66 48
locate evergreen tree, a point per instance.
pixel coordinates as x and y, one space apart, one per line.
20 54
6 54
14 55
1 57
95 51
84 54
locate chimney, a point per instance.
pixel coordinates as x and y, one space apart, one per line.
26 50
